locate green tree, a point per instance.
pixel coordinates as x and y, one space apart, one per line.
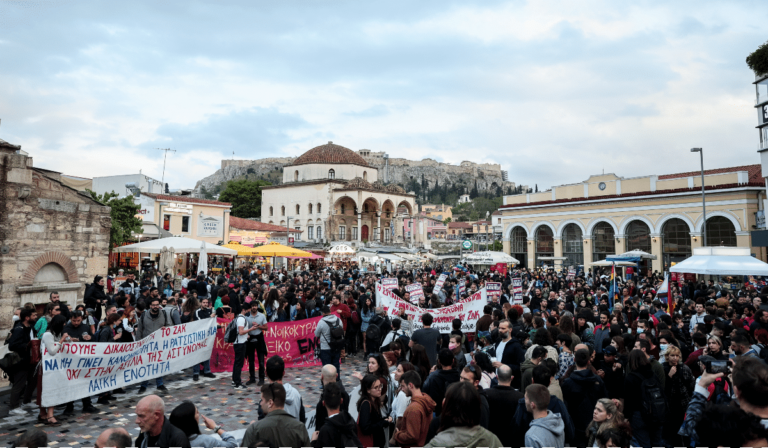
245 197
447 220
123 213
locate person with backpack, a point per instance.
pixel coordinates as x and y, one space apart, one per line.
581 391
645 404
330 331
150 321
237 335
340 429
396 333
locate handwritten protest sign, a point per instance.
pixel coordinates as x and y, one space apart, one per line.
416 291
517 290
82 369
493 289
294 341
439 283
467 310
389 283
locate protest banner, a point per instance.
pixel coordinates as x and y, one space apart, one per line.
467 310
83 369
462 290
571 274
294 341
389 283
416 291
517 291
493 289
439 283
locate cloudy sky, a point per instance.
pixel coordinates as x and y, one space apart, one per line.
552 90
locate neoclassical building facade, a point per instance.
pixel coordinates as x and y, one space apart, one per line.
332 194
606 215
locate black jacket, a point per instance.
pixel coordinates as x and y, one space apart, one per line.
19 343
437 383
321 413
502 403
581 391
513 356
94 296
340 431
234 302
372 423
77 332
613 379
106 335
169 436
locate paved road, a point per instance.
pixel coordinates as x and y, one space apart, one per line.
215 398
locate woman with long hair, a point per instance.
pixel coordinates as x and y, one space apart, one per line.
283 311
460 420
678 387
566 326
715 348
605 416
646 433
420 361
300 311
185 417
366 314
398 348
188 310
54 332
542 337
51 309
271 304
370 423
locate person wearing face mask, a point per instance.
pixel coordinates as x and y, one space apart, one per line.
678 388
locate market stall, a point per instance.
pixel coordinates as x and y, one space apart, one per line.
187 248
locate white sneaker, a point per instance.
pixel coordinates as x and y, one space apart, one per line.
17 411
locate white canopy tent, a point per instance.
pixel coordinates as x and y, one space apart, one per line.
638 253
607 263
390 257
180 245
721 261
489 257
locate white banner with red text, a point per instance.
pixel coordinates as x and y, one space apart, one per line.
467 310
84 369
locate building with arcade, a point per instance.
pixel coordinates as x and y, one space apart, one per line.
659 214
331 193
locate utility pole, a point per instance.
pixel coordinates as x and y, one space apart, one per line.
165 157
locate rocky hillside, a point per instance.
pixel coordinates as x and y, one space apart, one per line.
426 178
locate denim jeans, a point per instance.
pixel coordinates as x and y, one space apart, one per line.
206 367
158 382
331 357
237 367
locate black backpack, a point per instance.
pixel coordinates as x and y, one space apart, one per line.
231 334
653 402
349 439
763 353
337 336
373 333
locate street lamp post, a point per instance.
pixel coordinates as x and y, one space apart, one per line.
703 198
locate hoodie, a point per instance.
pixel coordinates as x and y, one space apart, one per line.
581 391
323 330
464 436
526 369
293 403
338 431
413 427
546 432
437 383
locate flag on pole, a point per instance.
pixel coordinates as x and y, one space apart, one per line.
663 295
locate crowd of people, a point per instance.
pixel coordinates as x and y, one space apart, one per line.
559 364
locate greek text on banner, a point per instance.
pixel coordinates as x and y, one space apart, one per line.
467 310
82 369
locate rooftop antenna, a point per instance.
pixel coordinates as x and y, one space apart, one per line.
165 157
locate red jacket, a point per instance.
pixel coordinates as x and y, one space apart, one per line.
343 311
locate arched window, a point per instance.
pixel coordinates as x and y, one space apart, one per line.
296 175
270 211
365 175
282 211
676 242
331 174
573 247
297 209
545 243
319 208
602 241
720 232
638 236
310 209
319 233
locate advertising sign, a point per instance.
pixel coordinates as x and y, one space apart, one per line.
210 226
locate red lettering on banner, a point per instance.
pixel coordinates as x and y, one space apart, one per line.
166 331
179 329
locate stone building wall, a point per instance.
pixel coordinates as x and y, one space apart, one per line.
52 238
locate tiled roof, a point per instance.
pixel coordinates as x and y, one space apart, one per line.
459 225
247 224
188 199
755 174
330 154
